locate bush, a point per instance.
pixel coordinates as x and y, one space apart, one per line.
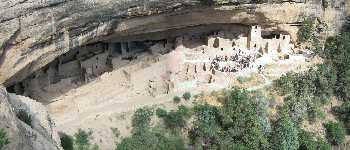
66 141
3 138
335 132
337 53
306 92
82 140
308 141
184 111
176 99
25 117
240 123
174 119
305 31
343 113
152 140
161 113
285 135
186 96
142 119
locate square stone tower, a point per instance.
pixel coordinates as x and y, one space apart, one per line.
254 38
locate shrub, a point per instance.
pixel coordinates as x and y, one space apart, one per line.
152 140
3 138
176 99
82 140
161 113
175 119
343 113
25 117
184 111
308 141
335 132
336 53
187 96
305 31
285 135
142 119
66 141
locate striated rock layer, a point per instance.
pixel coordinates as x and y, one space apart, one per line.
33 33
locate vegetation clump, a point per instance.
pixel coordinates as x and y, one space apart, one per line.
309 141
25 117
307 92
174 119
343 113
240 123
4 140
82 140
155 138
236 125
67 142
142 119
177 99
306 29
187 96
285 135
335 133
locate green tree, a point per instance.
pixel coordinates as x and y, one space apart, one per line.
335 132
141 119
309 141
82 140
174 119
3 138
152 140
306 29
343 112
67 141
161 113
206 127
337 53
285 134
241 123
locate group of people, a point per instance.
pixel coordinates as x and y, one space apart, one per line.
232 63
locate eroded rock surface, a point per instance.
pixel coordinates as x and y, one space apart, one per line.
40 136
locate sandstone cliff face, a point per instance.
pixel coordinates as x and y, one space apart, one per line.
33 33
41 136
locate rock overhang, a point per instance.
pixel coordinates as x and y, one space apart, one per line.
31 54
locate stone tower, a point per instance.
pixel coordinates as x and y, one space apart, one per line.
254 38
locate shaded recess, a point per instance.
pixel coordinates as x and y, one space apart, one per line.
84 64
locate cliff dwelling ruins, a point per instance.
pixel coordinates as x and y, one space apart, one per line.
197 55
